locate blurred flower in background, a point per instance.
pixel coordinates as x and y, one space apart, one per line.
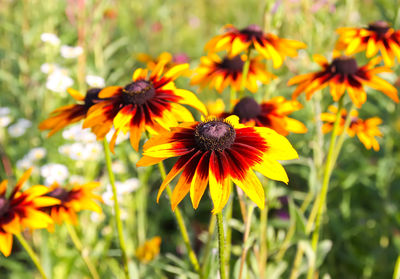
18 129
148 250
50 38
70 52
48 68
58 81
5 117
95 81
54 173
123 188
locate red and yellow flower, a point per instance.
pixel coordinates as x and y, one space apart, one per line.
377 37
71 201
147 103
69 114
272 114
22 209
342 74
149 250
151 62
366 130
268 45
213 153
221 73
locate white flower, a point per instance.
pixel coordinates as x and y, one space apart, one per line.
19 128
93 150
48 68
50 38
4 121
71 52
54 173
130 185
4 111
24 163
76 179
36 153
95 81
123 188
65 149
78 151
76 133
118 167
58 82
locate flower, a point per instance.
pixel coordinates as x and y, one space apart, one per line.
123 188
18 129
268 45
48 68
149 250
21 210
147 103
58 81
341 74
95 81
272 114
366 130
214 152
221 73
71 52
5 119
50 38
66 115
378 36
54 173
79 197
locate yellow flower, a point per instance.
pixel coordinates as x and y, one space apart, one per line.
149 250
213 153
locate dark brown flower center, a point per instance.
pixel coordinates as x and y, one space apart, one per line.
138 92
234 64
247 108
214 135
253 31
4 207
380 27
92 95
59 193
344 65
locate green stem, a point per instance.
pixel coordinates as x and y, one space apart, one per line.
232 98
228 216
117 213
246 67
263 235
207 249
181 224
245 238
396 273
221 246
84 253
325 186
31 254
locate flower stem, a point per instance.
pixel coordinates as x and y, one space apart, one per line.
78 245
31 254
117 213
396 273
182 227
245 238
330 161
221 246
232 98
207 249
263 235
246 67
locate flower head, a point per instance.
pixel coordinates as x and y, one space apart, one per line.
147 103
215 152
58 81
149 250
22 209
366 130
268 45
221 73
377 37
341 74
272 114
71 52
79 197
69 114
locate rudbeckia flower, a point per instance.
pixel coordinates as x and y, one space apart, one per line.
341 74
366 130
69 114
147 103
377 37
272 114
22 209
71 201
221 73
268 45
149 250
214 152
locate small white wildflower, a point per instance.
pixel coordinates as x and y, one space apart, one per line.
54 173
118 167
58 82
50 38
36 154
4 121
93 150
95 81
76 179
65 149
131 185
48 68
76 133
4 111
24 163
19 128
71 52
78 151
